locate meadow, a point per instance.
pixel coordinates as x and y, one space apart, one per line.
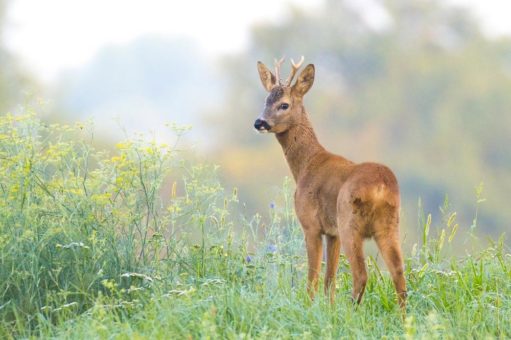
142 243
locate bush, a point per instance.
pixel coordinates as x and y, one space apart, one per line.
74 222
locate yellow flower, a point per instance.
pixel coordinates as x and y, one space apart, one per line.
124 145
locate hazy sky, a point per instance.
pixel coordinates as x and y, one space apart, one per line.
52 35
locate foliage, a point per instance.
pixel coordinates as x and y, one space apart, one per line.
72 219
140 244
426 93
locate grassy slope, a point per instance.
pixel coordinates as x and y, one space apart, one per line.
91 249
471 301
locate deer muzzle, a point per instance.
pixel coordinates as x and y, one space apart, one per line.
261 125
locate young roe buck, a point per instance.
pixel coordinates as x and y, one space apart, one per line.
345 201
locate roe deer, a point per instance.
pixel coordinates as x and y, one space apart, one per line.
345 201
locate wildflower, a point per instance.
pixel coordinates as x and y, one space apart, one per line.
248 259
271 248
272 205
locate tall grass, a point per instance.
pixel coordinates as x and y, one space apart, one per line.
140 243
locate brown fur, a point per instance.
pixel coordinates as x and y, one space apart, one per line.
345 201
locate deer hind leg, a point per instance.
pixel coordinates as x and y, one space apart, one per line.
314 245
333 247
355 254
387 239
353 247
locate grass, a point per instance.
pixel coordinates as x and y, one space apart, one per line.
141 244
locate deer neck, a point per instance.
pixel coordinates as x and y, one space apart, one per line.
300 145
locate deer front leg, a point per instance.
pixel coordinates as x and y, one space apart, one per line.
314 246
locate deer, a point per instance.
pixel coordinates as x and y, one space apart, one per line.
343 201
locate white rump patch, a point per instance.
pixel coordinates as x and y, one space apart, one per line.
379 192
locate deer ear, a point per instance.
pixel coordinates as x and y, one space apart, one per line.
305 80
267 78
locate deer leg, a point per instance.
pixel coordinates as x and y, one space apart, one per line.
314 245
353 245
391 251
333 249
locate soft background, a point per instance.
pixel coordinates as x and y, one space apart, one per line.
422 86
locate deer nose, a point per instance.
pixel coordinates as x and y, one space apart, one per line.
261 125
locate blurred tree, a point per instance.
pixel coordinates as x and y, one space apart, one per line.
426 93
167 79
13 82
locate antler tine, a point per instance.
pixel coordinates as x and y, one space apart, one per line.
294 68
278 63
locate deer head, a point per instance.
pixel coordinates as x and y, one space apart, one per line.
283 106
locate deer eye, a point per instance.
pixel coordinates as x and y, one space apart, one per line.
284 106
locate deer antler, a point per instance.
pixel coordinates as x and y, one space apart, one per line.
294 68
278 63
